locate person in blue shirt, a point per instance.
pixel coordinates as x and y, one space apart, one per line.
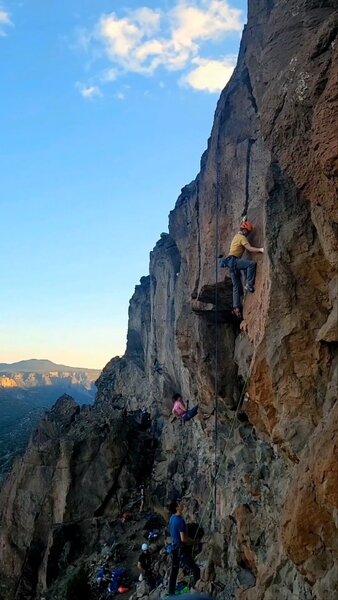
180 541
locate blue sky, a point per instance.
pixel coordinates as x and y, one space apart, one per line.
106 108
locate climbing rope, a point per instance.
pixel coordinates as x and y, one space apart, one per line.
217 205
214 483
251 141
218 467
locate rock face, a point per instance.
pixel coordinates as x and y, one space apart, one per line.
79 466
27 389
270 517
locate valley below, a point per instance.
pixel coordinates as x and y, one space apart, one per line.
26 395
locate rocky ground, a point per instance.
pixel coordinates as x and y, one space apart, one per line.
119 547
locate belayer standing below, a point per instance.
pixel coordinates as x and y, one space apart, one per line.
236 264
180 541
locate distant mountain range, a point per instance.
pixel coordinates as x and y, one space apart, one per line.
44 365
35 373
27 389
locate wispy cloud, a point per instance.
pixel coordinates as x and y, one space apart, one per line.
5 21
89 92
108 75
146 39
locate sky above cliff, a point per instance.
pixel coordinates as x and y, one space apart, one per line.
106 108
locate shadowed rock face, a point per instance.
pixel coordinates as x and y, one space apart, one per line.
63 456
269 522
79 466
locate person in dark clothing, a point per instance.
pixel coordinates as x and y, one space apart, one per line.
180 542
145 566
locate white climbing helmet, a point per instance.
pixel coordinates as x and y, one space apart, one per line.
144 547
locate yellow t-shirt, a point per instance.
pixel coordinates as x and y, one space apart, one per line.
238 245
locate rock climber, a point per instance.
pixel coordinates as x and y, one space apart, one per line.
181 411
145 566
180 542
236 264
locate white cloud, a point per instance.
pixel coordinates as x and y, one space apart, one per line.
207 21
209 75
148 19
120 96
120 36
5 21
149 48
91 91
145 39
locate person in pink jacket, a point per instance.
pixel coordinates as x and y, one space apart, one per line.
180 410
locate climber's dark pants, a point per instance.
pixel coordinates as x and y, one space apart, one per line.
190 414
150 579
180 555
238 265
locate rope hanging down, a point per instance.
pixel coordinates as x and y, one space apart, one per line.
214 483
217 206
244 217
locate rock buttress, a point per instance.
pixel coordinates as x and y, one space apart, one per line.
271 156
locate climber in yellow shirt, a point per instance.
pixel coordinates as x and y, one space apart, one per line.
236 264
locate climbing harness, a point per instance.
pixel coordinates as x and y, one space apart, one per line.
229 262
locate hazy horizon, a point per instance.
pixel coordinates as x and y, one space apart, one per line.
44 360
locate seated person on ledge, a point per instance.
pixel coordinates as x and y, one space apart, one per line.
179 409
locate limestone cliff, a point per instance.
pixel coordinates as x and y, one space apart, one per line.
270 519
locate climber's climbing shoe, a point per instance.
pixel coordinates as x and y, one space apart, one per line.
250 289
